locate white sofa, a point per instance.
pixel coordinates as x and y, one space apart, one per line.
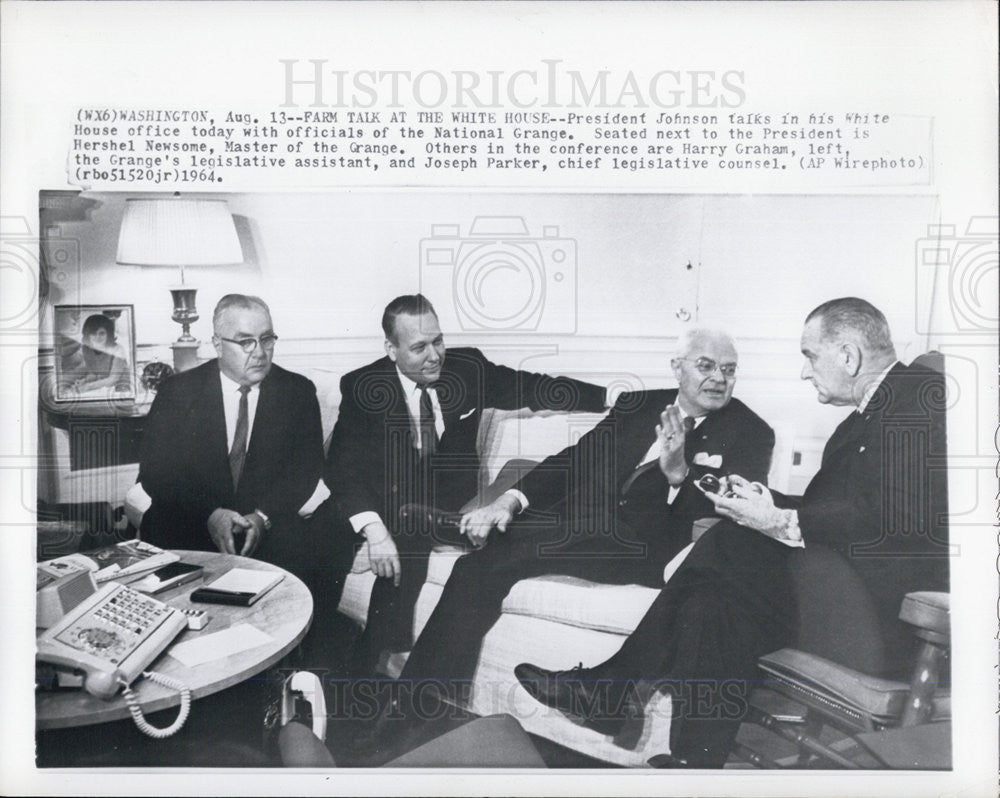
553 621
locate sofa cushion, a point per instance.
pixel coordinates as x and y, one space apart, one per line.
357 593
441 561
577 602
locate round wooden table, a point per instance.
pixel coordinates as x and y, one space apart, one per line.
284 614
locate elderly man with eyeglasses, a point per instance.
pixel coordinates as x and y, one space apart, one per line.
233 448
615 507
879 499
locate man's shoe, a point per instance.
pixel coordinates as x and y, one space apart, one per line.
580 693
302 700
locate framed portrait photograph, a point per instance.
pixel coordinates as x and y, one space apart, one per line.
94 352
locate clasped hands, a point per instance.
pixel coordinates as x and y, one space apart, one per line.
224 525
477 524
750 504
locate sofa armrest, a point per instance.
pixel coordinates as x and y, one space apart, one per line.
930 613
855 699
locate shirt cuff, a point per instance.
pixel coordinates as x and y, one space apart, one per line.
519 496
264 519
793 535
319 495
361 520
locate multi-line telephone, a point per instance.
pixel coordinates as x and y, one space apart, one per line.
111 636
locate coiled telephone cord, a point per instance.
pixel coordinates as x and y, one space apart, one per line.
140 720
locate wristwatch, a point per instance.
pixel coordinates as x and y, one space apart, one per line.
265 519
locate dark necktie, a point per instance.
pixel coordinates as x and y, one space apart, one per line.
239 451
428 431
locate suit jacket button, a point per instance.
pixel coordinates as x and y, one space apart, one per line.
622 502
395 489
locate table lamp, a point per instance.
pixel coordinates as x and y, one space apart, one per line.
179 232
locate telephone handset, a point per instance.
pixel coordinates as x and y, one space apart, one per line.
112 636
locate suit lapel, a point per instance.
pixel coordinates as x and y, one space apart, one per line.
695 442
454 394
262 428
640 434
857 425
397 414
209 417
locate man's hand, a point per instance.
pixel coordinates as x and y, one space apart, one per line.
671 432
478 524
254 534
223 524
752 506
382 554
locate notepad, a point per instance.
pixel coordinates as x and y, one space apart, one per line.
240 586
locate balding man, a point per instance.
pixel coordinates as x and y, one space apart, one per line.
624 496
233 448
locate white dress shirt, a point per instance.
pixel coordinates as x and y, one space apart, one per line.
411 392
870 390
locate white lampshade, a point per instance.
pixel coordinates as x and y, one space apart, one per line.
178 232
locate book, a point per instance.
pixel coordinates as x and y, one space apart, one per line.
168 577
127 559
240 586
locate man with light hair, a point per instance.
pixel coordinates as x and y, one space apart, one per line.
624 497
879 499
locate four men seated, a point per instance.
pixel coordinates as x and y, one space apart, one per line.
233 449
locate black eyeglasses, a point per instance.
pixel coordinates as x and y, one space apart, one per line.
706 366
248 345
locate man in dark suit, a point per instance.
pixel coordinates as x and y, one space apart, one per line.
406 434
624 497
233 448
879 498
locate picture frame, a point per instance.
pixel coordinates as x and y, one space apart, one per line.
94 353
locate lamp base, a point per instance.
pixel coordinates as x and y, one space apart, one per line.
185 354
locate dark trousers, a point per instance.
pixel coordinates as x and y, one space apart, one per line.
728 604
448 647
389 625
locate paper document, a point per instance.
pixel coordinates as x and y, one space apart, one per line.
219 644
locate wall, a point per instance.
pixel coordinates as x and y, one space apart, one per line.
328 263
